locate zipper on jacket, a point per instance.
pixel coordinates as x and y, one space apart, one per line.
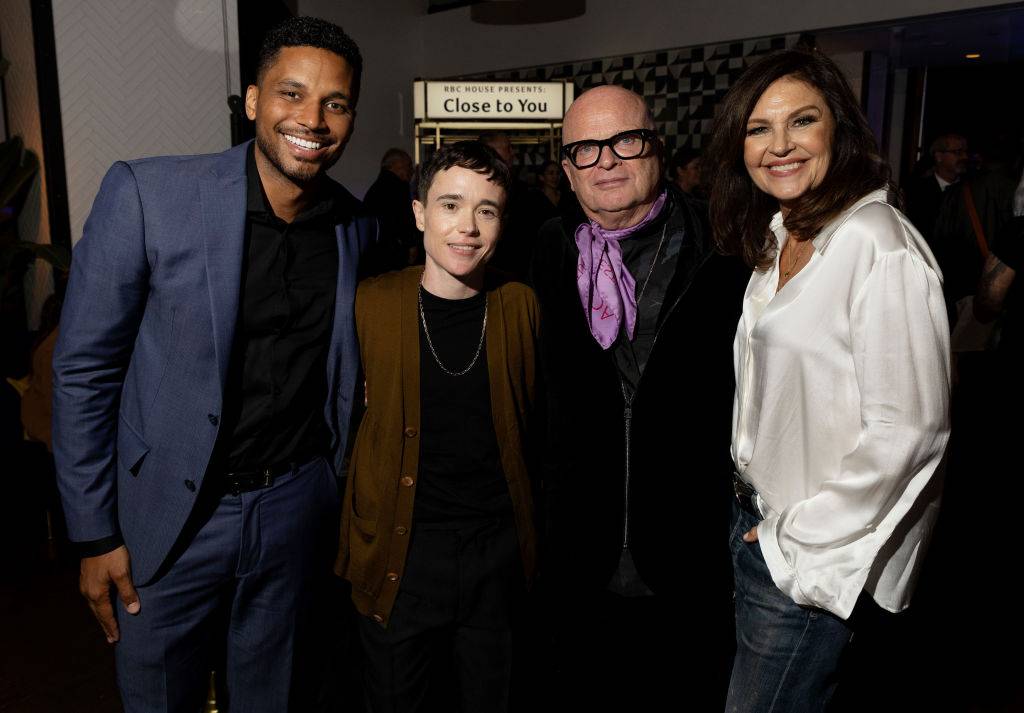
627 412
627 416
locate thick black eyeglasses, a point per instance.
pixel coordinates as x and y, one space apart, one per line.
625 145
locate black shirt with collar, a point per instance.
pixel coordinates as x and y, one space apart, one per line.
277 379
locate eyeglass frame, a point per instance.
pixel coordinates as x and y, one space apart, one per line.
649 137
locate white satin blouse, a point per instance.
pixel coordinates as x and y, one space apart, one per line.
841 414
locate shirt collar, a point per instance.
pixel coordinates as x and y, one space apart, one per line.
256 202
821 240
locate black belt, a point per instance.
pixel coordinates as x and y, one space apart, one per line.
746 496
244 481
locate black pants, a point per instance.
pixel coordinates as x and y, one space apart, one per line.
640 653
452 616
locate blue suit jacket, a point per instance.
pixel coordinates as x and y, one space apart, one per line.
145 341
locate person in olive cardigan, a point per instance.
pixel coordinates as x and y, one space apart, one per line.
437 534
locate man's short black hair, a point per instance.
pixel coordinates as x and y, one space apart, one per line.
474 155
311 32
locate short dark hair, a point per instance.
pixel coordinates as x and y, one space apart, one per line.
474 155
311 32
740 212
544 166
393 156
941 142
680 160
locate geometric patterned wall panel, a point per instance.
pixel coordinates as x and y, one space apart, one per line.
137 78
682 86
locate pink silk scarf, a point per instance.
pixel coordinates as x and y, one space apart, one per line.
607 290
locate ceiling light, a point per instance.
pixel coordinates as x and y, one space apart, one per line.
973 55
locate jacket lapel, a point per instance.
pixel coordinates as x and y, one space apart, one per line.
222 197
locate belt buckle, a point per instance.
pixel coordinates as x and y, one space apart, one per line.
745 493
245 482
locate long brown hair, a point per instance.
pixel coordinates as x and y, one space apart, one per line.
740 211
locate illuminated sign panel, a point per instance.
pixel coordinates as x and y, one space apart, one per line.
502 101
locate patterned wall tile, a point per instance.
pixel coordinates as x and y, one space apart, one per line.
137 78
682 86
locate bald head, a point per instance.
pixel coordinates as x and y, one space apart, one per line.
615 192
601 105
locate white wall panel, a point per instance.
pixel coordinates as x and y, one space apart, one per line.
139 78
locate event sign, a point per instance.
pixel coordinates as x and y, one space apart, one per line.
495 100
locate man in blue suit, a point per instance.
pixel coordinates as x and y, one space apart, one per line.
203 384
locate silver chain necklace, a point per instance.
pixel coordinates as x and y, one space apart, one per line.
426 333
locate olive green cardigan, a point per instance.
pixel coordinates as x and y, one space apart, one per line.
376 521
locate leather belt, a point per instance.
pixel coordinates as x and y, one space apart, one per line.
746 496
244 481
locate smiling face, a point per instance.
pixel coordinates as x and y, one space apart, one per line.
616 193
304 113
788 143
461 221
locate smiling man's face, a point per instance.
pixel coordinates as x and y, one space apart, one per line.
304 112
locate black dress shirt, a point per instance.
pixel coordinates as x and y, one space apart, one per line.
657 240
277 380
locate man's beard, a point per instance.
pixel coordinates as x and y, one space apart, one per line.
307 172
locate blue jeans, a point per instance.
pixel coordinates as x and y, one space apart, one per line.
787 655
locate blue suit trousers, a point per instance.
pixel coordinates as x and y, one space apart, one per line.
233 595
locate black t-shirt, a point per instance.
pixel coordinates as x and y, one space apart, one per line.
460 474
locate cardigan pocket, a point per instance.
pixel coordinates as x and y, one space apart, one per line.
366 477
367 528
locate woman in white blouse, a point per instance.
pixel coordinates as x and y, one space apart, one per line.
841 357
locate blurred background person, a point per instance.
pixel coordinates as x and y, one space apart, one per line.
520 226
684 172
841 359
924 192
389 200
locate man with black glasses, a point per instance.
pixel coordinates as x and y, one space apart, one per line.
638 319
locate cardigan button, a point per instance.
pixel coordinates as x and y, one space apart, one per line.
410 432
407 481
401 530
392 576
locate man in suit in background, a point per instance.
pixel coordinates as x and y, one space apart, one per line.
389 200
203 384
924 194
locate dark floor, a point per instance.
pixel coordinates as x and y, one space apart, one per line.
956 650
53 658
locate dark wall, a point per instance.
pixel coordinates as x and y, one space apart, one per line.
255 18
983 102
